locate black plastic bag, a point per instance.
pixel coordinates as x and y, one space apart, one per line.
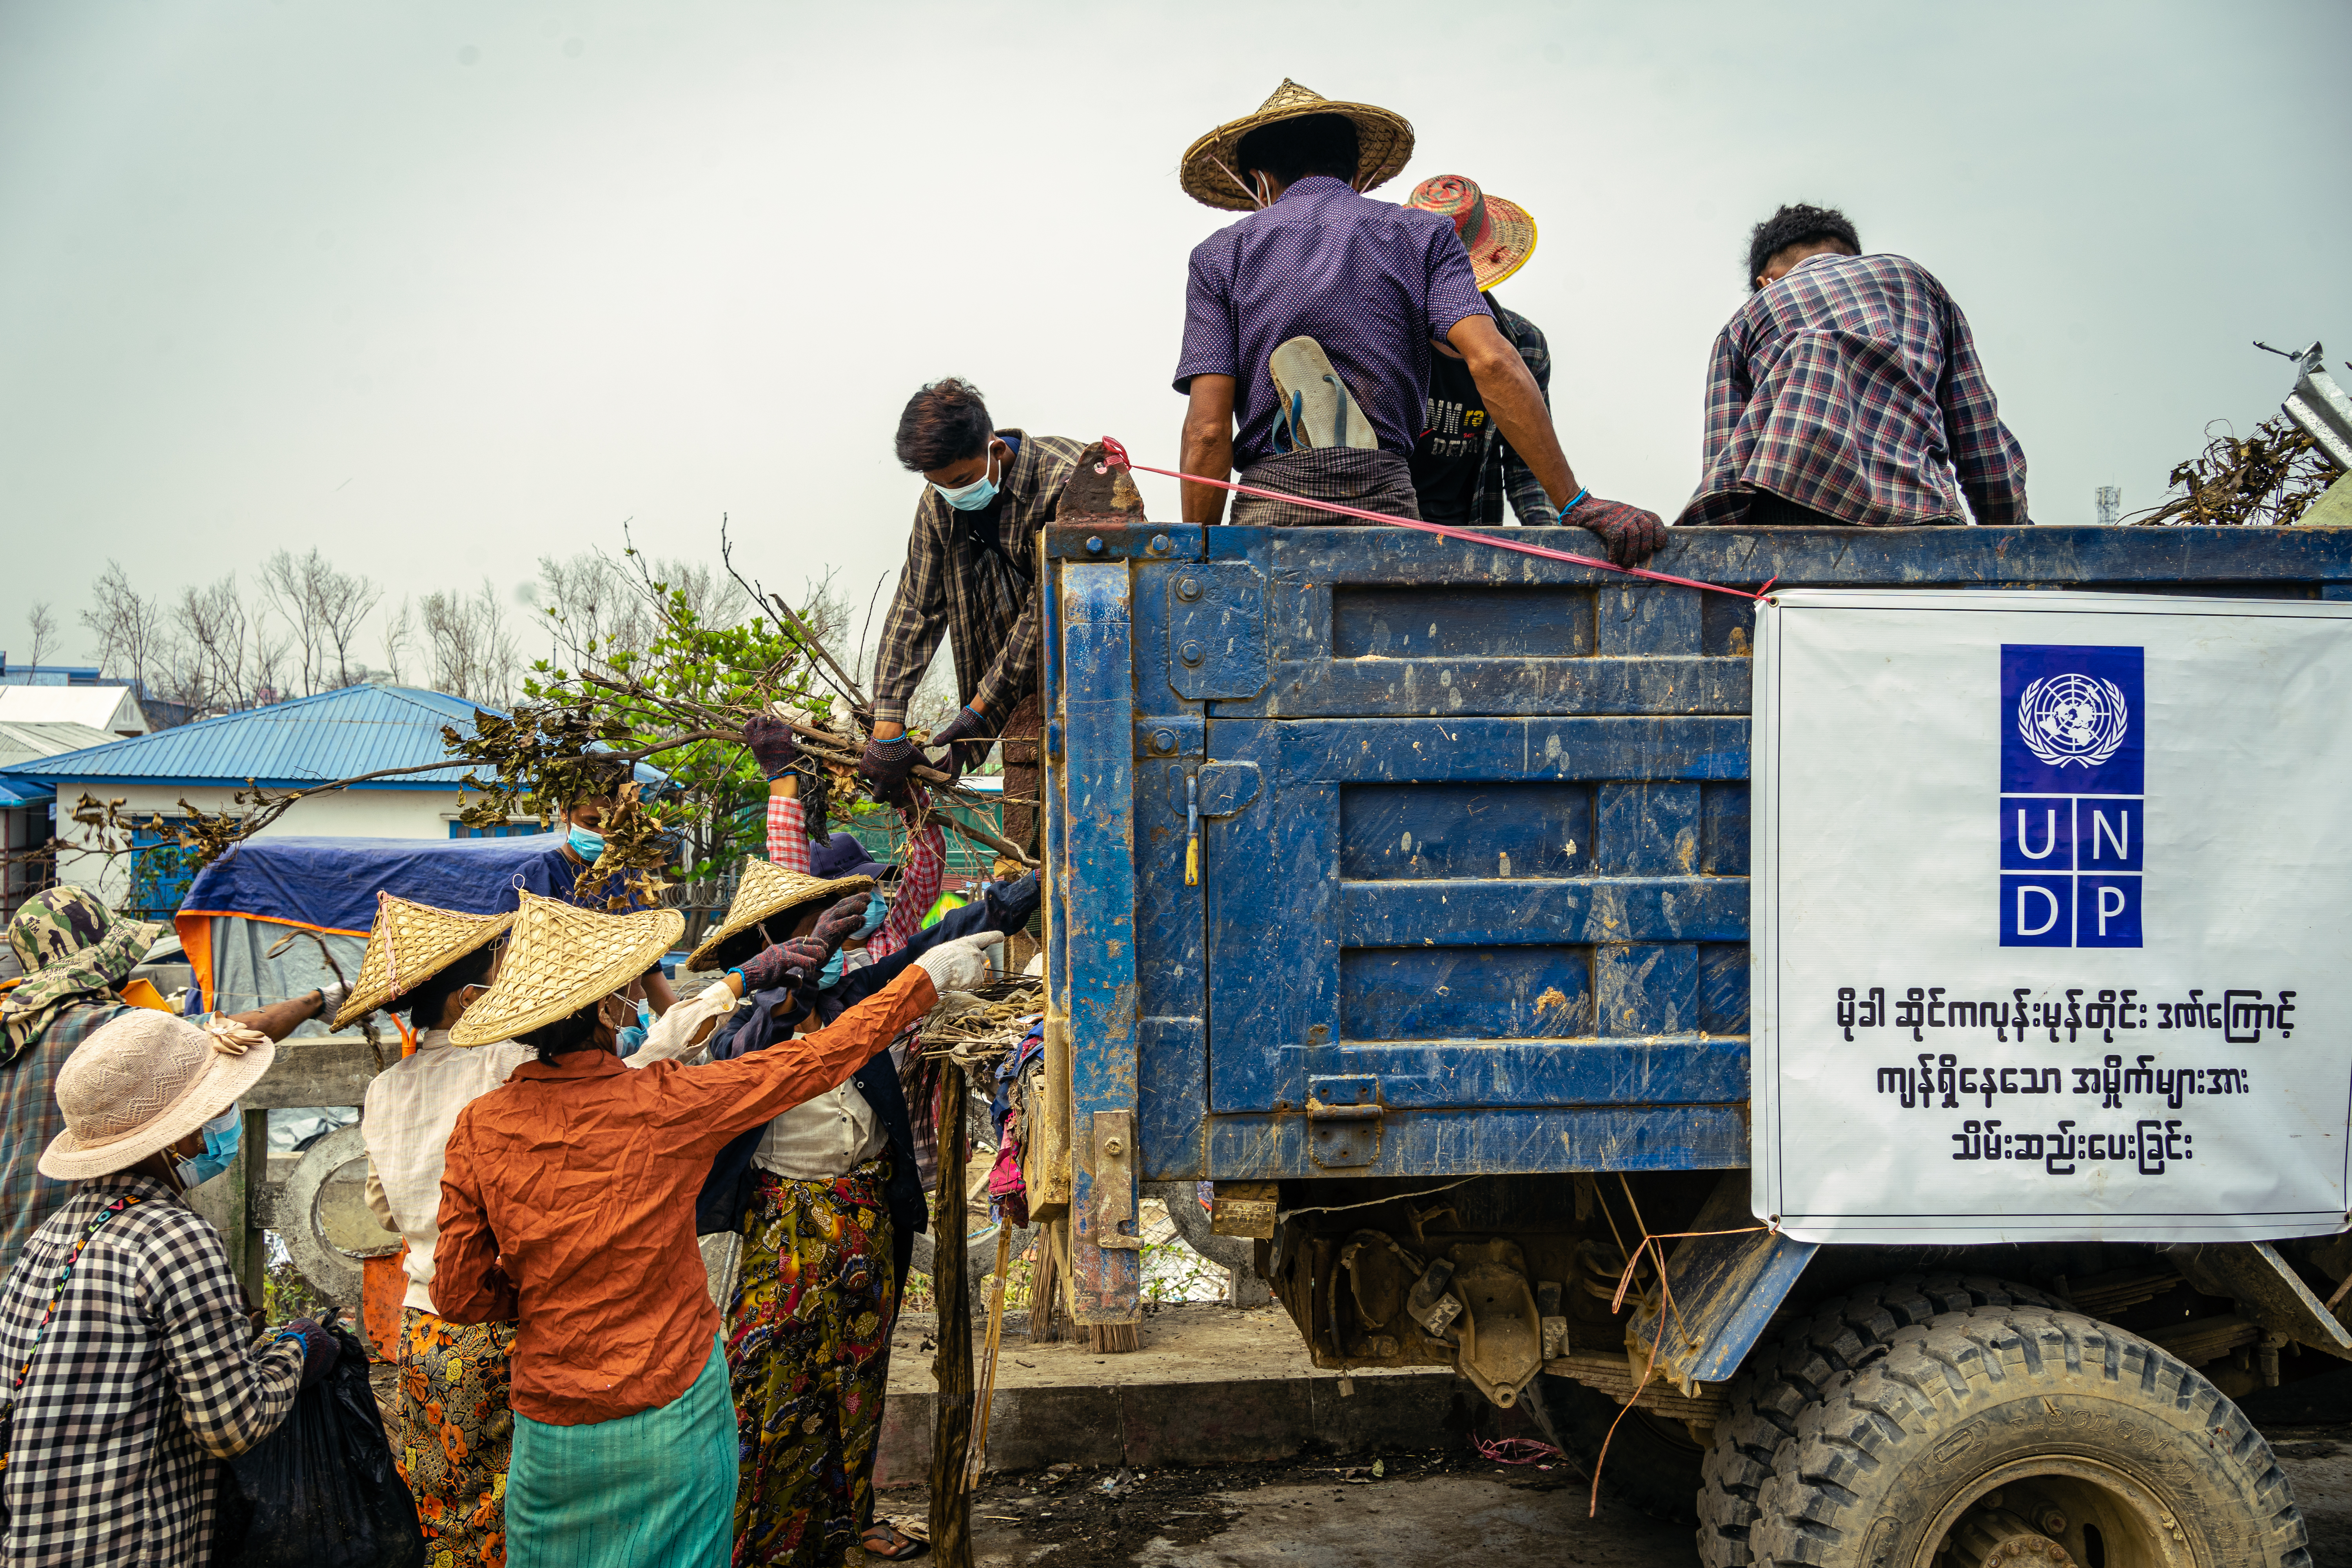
321 1491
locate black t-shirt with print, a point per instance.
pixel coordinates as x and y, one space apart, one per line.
1456 436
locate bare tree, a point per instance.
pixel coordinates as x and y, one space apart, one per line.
44 623
132 636
324 607
473 653
399 641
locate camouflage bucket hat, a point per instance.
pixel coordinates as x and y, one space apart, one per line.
72 950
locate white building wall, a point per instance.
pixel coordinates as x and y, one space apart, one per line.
348 814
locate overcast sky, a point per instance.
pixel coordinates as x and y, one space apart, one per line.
442 288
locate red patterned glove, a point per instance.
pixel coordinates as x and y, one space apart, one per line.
1631 534
773 966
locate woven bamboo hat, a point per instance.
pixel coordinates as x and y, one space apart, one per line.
767 891
1210 175
142 1081
411 943
559 959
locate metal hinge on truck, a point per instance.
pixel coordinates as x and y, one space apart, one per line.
1343 1121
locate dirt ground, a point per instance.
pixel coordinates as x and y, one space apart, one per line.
1413 1506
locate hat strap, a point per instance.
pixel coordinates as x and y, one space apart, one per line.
1236 179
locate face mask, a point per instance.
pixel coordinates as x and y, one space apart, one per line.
830 976
585 844
221 1136
974 496
877 910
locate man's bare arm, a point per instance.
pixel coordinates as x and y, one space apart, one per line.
1515 402
1208 445
281 1019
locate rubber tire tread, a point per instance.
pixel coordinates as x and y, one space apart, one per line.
1779 1381
1846 1492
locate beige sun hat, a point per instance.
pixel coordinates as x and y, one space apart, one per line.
766 892
1211 176
144 1081
561 958
410 944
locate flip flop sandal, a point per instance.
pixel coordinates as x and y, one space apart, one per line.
904 1545
1321 412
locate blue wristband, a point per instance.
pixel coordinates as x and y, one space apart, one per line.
1576 501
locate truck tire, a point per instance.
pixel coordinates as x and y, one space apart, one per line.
1652 1463
1988 1430
1780 1379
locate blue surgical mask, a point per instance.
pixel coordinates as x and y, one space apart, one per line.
877 910
974 496
830 976
221 1136
586 842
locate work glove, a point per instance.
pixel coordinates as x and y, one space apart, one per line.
838 924
331 998
782 963
320 1349
963 754
773 745
886 766
961 965
1631 534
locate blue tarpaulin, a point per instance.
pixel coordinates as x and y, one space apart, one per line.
331 883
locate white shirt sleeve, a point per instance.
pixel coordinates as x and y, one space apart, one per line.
678 1033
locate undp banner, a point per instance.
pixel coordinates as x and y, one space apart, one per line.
2052 902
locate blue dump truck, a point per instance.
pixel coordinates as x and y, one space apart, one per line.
1399 889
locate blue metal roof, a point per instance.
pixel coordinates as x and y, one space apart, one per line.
309 741
15 793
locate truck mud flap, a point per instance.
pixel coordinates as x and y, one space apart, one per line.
1726 1288
2266 1288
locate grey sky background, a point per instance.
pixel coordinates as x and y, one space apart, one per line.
443 288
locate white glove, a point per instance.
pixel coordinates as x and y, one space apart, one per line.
331 997
960 964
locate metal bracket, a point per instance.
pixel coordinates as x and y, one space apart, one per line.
1343 1121
1114 1181
1216 630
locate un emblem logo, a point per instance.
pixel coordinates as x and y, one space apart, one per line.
2066 718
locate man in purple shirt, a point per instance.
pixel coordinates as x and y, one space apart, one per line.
1371 285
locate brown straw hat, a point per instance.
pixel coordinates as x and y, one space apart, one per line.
411 943
559 959
766 892
142 1081
1211 176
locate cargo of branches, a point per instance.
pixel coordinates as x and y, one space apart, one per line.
1859 1030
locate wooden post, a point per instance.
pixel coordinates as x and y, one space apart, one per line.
1044 1287
951 1366
248 1243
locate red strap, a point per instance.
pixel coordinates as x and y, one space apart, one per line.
1115 456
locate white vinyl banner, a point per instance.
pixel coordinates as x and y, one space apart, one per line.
2051 897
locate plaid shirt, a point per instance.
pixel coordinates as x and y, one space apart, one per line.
1503 466
919 883
974 575
30 1120
148 1371
1851 386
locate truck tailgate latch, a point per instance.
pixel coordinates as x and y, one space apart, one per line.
1343 1121
1114 1182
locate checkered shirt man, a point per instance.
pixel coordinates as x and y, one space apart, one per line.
1850 387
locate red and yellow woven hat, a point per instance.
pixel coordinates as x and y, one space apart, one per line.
1498 234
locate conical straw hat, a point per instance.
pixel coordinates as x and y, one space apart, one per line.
411 943
766 890
1210 175
559 959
